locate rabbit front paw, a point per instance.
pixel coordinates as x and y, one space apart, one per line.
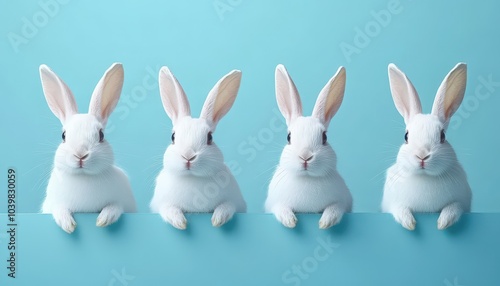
174 216
286 217
222 214
449 216
109 214
404 217
65 220
330 217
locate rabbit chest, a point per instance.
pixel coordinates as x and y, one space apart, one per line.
195 194
88 193
308 193
425 193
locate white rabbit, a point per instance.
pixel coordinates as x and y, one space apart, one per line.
306 179
84 178
427 176
194 177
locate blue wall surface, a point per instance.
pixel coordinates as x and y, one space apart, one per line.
202 40
365 249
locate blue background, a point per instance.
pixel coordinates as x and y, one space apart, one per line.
81 40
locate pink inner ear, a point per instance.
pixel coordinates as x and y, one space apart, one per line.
57 94
221 98
173 97
404 94
330 97
106 112
107 93
333 102
287 95
223 103
450 93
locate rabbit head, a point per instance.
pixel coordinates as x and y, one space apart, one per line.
193 150
308 151
83 148
426 149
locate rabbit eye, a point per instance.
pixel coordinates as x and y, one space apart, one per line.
209 138
288 138
406 137
173 138
324 137
64 136
101 135
443 136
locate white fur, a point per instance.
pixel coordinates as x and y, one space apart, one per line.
319 187
203 184
91 184
440 184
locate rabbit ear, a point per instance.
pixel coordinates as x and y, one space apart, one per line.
287 95
403 93
107 93
174 99
330 98
450 93
221 98
59 97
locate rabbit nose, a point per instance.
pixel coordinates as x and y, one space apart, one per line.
80 157
306 155
306 158
189 154
189 157
423 158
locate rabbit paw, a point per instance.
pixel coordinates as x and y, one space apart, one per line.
222 214
65 220
449 216
286 217
109 215
330 217
405 218
174 216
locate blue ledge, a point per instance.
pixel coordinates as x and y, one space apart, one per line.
253 249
